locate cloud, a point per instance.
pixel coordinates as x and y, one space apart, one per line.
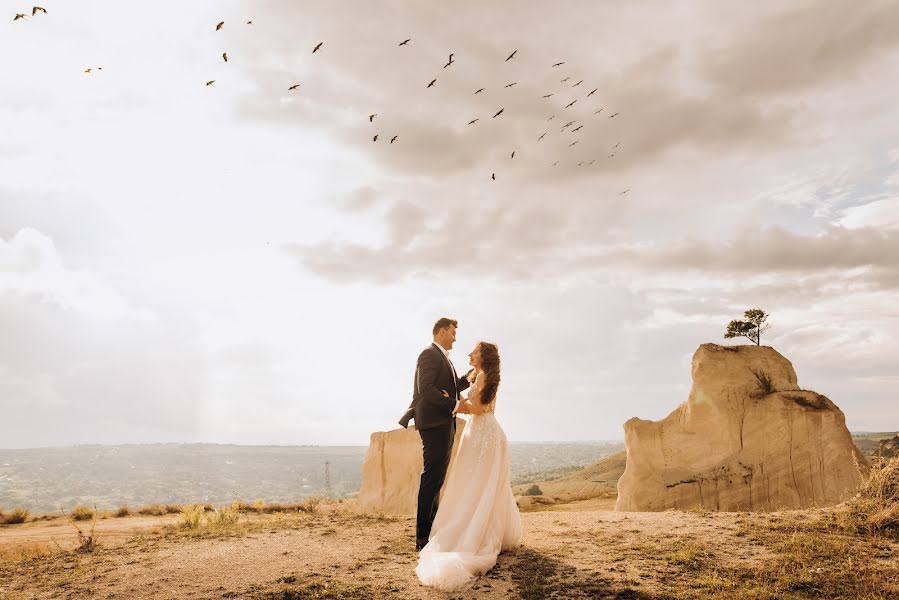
768 250
785 51
665 102
90 363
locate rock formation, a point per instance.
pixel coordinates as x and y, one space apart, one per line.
747 438
889 448
391 470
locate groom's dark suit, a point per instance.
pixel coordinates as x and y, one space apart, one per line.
436 424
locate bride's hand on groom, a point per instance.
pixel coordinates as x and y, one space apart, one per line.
463 406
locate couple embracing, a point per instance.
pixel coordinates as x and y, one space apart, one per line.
477 516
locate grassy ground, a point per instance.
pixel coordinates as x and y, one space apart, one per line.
332 552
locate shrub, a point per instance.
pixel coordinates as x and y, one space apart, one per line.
534 490
152 509
82 513
190 516
764 380
310 505
18 515
225 516
875 508
123 511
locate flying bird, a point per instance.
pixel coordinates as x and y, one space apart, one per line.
548 95
541 137
611 155
249 22
551 118
592 92
555 163
293 87
597 112
393 139
225 56
511 56
375 139
450 61
513 155
219 25
625 191
319 45
580 163
615 146
405 42
18 16
511 84
473 121
559 64
433 81
35 9
573 143
576 128
499 112
564 80
479 91
210 82
613 116
578 83
371 118
570 103
568 124
591 162
88 70
493 176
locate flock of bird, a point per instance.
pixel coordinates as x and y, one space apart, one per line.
432 83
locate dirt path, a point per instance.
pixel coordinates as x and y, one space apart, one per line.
354 556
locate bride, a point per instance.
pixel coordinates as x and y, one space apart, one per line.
477 517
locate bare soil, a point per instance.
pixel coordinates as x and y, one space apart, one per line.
582 550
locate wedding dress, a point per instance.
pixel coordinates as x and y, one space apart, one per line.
477 517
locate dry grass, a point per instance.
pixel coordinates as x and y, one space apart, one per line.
159 509
18 515
82 513
875 508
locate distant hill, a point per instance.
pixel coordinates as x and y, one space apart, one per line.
869 441
598 480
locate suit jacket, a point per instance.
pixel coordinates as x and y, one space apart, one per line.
430 408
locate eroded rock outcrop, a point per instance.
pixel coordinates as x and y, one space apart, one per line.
391 470
747 438
889 448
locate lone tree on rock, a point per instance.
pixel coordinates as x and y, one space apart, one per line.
751 328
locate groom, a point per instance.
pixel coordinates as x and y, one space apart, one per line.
435 401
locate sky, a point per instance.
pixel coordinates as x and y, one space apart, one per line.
241 263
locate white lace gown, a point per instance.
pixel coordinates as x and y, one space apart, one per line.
477 517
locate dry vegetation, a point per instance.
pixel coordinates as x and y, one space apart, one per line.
322 549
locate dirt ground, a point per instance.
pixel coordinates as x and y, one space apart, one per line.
578 550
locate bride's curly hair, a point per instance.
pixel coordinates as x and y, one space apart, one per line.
490 367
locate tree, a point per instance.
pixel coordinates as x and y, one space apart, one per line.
534 490
751 328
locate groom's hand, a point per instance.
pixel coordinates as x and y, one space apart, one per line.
445 394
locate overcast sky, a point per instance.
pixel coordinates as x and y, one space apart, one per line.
241 263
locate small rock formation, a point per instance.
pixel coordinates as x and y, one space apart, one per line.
889 448
747 438
392 468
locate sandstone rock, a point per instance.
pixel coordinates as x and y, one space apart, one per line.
734 445
391 470
889 448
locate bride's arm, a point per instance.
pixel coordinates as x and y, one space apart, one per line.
473 404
